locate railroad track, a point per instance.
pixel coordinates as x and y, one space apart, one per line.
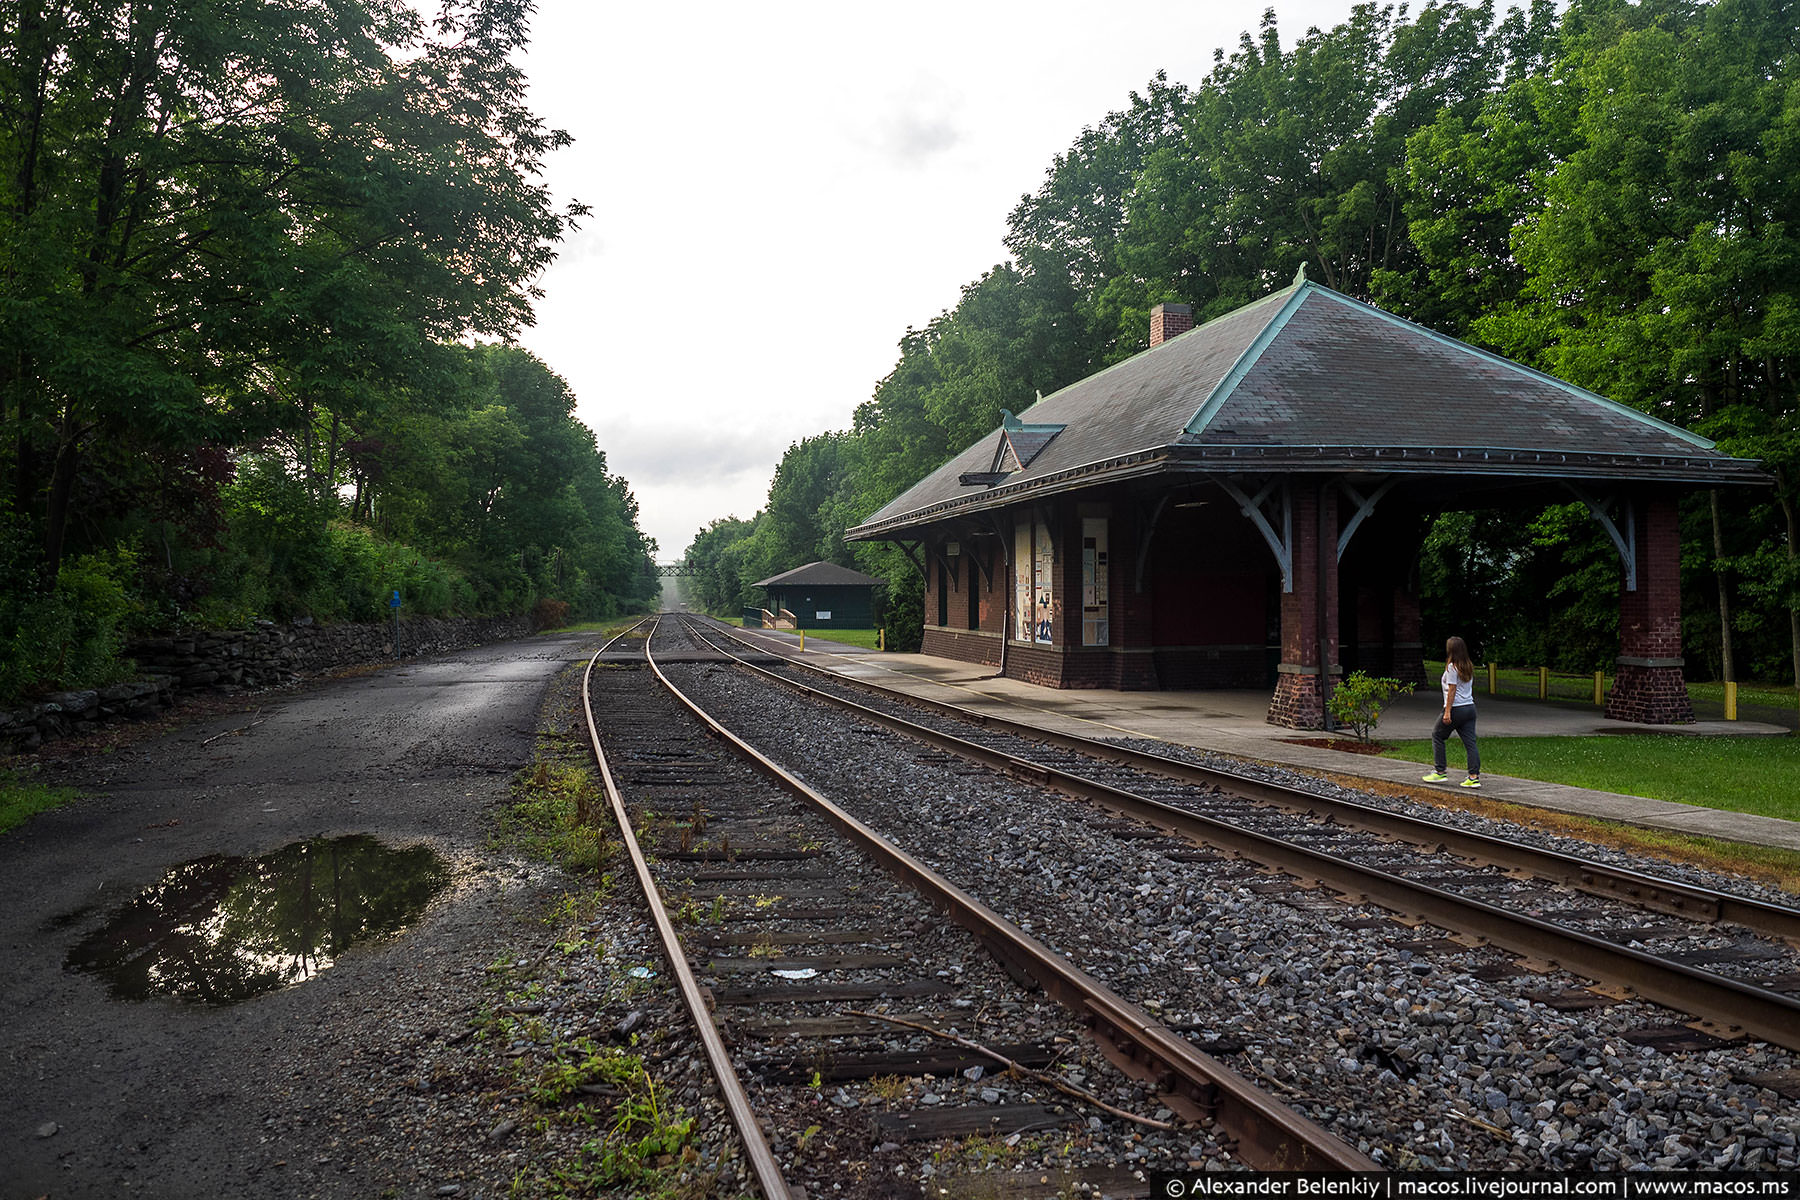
847 1022
1725 959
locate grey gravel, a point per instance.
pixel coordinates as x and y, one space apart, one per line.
1417 1063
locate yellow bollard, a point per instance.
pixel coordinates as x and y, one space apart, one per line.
1543 683
881 639
1731 700
803 641
1493 679
1599 688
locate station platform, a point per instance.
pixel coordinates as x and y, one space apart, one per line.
1232 722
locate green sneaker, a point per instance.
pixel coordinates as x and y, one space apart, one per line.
1473 781
1435 777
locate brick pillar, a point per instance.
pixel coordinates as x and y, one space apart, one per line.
1299 700
1167 320
1650 688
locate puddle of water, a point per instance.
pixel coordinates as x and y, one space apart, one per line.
219 930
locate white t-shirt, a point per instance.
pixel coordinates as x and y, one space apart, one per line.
1463 689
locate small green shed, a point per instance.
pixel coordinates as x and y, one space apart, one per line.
823 595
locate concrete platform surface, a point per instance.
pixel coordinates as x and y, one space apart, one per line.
1232 722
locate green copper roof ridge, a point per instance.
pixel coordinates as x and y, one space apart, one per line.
1209 408
1575 390
1012 424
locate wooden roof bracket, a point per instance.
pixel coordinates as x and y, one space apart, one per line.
911 552
1599 507
1279 500
991 525
1364 506
1149 528
943 561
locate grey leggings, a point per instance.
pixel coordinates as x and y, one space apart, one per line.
1462 724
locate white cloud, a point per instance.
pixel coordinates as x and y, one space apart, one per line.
780 190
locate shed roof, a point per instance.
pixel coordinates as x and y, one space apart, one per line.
1310 380
818 574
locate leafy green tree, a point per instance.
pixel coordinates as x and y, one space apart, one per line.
715 582
217 218
1662 268
1073 223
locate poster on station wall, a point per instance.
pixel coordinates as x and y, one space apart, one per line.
1022 590
1043 626
1094 630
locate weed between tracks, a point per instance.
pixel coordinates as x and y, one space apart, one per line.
617 1130
557 814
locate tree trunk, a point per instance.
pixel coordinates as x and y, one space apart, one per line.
56 514
1728 670
1793 524
331 452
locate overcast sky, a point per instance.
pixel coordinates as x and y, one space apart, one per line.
780 190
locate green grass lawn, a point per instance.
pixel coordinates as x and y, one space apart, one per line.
1741 774
866 638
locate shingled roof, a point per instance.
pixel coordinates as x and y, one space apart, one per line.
1311 380
818 574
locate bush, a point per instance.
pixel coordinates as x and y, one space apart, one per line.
550 614
68 635
1356 702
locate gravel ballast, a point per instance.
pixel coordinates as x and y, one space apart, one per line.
1413 1057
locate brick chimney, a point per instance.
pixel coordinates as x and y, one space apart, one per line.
1167 320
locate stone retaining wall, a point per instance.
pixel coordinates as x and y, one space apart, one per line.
267 655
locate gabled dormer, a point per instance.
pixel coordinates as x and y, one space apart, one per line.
1019 444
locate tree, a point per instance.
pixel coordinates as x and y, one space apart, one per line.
217 218
1663 267
714 582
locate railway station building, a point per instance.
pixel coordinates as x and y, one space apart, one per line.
1243 504
821 595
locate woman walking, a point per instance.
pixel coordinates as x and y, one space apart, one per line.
1459 713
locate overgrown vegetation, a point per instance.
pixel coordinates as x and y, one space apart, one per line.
559 814
260 266
643 1145
1596 190
22 798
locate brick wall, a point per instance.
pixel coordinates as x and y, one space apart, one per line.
961 645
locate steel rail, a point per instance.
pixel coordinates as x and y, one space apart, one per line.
1601 879
617 637
1727 1003
1269 1135
757 1152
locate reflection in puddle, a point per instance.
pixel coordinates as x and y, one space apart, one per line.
218 930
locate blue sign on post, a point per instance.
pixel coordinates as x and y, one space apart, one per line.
395 602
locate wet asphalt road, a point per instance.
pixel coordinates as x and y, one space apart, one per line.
166 1098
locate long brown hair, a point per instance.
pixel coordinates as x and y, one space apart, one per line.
1456 653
